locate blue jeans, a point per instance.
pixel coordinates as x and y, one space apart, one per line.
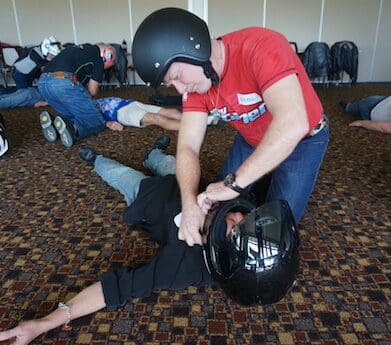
127 180
20 98
294 179
74 103
160 164
364 107
22 80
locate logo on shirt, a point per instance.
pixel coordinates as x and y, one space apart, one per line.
245 117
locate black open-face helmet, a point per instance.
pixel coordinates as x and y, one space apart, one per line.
168 35
257 262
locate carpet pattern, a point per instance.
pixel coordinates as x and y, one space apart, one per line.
61 227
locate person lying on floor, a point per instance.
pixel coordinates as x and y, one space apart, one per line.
374 113
176 265
26 97
119 112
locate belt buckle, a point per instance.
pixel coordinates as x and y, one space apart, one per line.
318 127
58 74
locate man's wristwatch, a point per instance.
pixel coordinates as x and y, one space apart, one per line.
230 182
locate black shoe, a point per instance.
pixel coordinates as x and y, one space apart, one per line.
344 103
87 154
160 143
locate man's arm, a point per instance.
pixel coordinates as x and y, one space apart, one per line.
93 87
289 125
86 302
191 135
379 126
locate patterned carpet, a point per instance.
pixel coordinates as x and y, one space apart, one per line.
61 227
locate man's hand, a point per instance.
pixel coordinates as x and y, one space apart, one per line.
114 126
192 223
217 192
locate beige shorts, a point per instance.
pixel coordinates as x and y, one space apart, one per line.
132 113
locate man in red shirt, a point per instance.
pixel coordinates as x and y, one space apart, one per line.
251 79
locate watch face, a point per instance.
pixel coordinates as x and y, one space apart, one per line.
229 179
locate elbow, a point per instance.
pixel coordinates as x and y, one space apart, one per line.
298 132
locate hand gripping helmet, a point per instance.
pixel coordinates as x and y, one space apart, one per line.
108 54
168 35
50 45
258 261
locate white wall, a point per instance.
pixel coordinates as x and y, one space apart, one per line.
365 22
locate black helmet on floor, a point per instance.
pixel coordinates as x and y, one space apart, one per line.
168 35
258 261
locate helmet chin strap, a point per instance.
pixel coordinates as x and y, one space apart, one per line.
210 72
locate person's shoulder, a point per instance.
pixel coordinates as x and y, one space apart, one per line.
252 33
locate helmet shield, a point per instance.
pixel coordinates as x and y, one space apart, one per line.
258 260
50 45
108 55
168 35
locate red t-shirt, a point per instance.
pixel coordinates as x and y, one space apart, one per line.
256 58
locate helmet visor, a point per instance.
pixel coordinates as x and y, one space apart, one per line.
259 241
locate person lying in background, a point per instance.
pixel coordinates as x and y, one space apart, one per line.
26 97
119 112
374 113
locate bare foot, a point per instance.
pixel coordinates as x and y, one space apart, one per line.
40 104
114 126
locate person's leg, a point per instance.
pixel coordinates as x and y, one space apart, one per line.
171 113
239 151
133 113
124 179
363 107
22 81
159 163
74 103
294 179
160 120
20 98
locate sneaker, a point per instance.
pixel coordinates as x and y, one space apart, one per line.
344 103
3 137
48 130
160 143
64 131
87 154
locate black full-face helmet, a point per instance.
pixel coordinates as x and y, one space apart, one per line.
257 262
168 35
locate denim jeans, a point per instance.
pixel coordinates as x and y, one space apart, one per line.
127 180
294 179
22 80
74 103
20 98
159 163
364 107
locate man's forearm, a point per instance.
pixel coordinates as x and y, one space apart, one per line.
188 175
276 145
